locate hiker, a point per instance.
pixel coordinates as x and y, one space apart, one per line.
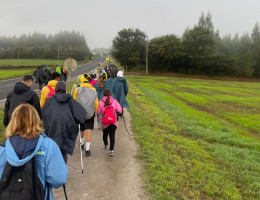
86 95
119 89
65 73
46 75
61 116
96 77
100 87
76 84
21 94
25 149
93 82
107 109
38 74
60 71
49 88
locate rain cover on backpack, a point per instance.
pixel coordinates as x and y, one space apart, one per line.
87 97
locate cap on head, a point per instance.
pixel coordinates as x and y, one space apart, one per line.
120 74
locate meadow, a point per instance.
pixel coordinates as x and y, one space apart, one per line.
14 73
29 62
199 139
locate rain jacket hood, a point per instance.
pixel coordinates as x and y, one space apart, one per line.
62 97
21 88
12 157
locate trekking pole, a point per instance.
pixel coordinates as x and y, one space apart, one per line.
80 152
64 189
127 129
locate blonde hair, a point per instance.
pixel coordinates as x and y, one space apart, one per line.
25 122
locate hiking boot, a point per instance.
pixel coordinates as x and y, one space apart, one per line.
87 153
111 153
99 128
82 146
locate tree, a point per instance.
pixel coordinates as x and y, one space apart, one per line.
129 47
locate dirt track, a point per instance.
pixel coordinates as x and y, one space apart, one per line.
105 177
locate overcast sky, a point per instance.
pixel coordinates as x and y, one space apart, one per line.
100 20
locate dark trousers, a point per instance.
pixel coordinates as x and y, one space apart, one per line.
40 85
110 130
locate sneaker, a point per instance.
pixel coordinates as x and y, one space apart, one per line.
99 128
111 153
105 147
87 153
82 146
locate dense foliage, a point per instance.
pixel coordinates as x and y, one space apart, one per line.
200 50
58 46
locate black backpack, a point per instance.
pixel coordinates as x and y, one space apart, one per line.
22 182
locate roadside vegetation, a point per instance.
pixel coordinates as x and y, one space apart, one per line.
199 139
28 62
11 73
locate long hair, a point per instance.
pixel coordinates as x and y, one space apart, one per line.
107 94
25 122
101 82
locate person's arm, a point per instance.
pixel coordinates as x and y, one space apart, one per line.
96 105
118 107
36 104
43 97
6 111
56 171
75 94
78 111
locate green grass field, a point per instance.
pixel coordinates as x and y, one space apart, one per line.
29 62
199 139
11 73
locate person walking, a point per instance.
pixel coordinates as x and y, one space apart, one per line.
75 85
46 75
49 87
61 116
108 109
27 144
38 74
86 95
60 71
100 87
21 94
65 73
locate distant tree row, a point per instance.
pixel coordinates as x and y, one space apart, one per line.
58 46
200 50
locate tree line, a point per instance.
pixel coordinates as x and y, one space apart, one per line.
37 45
200 50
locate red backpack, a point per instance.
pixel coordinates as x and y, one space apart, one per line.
51 92
108 116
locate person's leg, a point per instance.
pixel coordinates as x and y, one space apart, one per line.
112 130
99 122
88 139
105 134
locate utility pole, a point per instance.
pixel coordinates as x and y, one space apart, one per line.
146 56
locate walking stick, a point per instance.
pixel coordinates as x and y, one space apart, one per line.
80 152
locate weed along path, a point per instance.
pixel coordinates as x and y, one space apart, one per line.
105 177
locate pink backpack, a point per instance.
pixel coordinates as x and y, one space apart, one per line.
51 92
109 117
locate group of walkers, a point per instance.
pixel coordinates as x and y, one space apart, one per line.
42 75
94 95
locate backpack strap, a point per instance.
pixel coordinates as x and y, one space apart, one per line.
50 88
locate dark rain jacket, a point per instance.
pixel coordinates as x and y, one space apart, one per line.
119 89
39 75
61 116
21 94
